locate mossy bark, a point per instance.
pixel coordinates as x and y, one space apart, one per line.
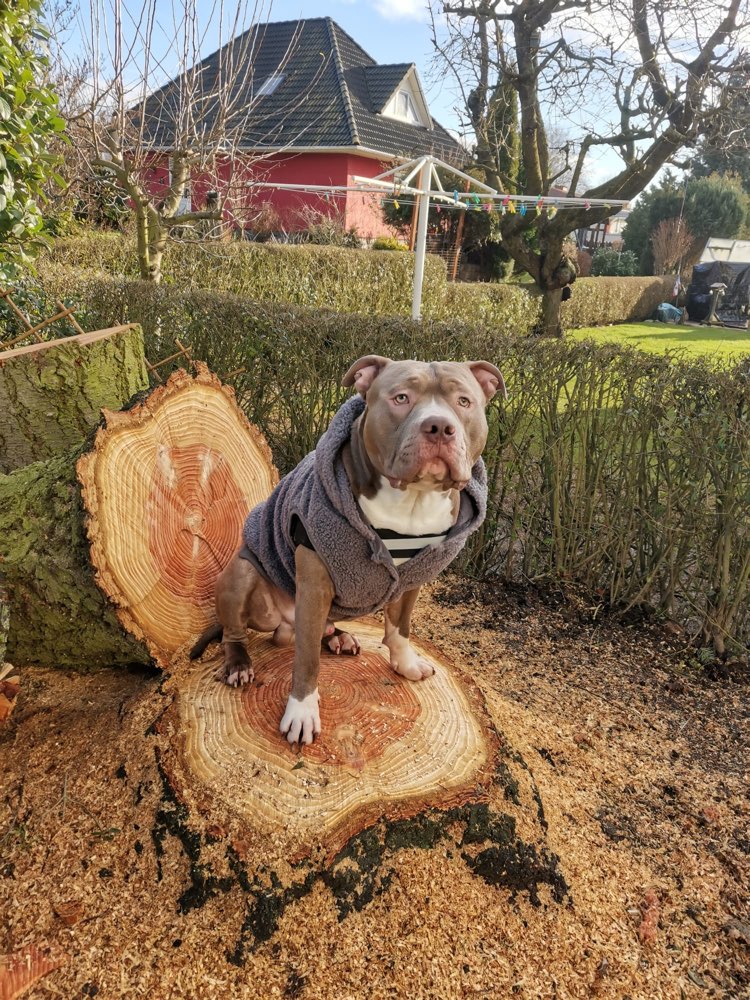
59 617
51 394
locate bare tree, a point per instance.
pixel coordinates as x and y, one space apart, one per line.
672 243
152 113
640 79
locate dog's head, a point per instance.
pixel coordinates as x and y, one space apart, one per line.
424 422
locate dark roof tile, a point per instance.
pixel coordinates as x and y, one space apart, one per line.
330 95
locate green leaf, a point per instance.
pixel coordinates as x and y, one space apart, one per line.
4 109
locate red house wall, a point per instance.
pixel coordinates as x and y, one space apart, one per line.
296 209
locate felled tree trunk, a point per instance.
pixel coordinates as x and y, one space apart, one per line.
51 394
110 553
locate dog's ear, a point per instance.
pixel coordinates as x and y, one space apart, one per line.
363 372
489 378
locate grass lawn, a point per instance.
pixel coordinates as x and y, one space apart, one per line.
719 343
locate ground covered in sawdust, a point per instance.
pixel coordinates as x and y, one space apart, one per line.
641 760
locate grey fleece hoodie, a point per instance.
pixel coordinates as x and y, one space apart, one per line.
319 494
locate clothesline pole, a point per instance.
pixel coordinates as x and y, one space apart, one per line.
421 243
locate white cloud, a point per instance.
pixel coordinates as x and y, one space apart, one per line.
402 10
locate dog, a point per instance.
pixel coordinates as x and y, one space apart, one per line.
387 499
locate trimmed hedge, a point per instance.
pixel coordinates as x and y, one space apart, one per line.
628 473
360 281
321 277
601 301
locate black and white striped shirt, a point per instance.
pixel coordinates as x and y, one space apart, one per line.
404 547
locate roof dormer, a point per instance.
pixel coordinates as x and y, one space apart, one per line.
407 102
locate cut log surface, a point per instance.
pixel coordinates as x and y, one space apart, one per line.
389 747
110 553
167 488
51 394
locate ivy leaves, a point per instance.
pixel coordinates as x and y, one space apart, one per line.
29 120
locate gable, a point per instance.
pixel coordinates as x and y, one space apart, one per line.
406 103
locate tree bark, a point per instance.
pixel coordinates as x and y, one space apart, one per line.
58 615
51 394
550 324
109 554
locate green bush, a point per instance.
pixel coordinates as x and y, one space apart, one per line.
625 472
323 277
511 310
388 243
607 262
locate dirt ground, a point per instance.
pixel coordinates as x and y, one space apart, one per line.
641 760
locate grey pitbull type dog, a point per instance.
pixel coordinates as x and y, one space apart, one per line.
387 499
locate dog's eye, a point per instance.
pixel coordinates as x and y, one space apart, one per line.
401 397
464 401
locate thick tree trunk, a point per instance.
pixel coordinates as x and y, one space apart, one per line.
109 554
58 615
51 394
550 323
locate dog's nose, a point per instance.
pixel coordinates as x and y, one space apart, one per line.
438 428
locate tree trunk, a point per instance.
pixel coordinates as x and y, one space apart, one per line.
58 615
142 239
110 553
550 323
51 394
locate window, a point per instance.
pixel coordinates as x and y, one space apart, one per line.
270 84
405 108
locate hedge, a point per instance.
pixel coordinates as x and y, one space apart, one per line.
360 281
625 472
601 301
375 282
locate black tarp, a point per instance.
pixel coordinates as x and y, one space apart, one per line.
734 307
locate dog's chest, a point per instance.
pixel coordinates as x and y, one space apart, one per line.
409 520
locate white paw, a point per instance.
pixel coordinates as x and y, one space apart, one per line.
301 720
406 662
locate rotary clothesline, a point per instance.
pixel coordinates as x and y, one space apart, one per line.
398 181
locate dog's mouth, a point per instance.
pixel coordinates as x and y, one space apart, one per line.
435 474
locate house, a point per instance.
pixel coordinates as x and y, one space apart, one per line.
321 111
604 233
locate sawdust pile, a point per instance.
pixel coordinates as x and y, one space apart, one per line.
642 768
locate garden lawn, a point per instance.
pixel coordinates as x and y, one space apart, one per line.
719 343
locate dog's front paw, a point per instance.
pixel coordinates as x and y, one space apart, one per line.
406 662
301 720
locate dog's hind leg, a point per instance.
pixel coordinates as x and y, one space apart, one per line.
234 589
337 641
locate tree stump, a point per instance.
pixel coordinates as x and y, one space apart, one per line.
110 553
51 394
389 746
399 766
110 556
